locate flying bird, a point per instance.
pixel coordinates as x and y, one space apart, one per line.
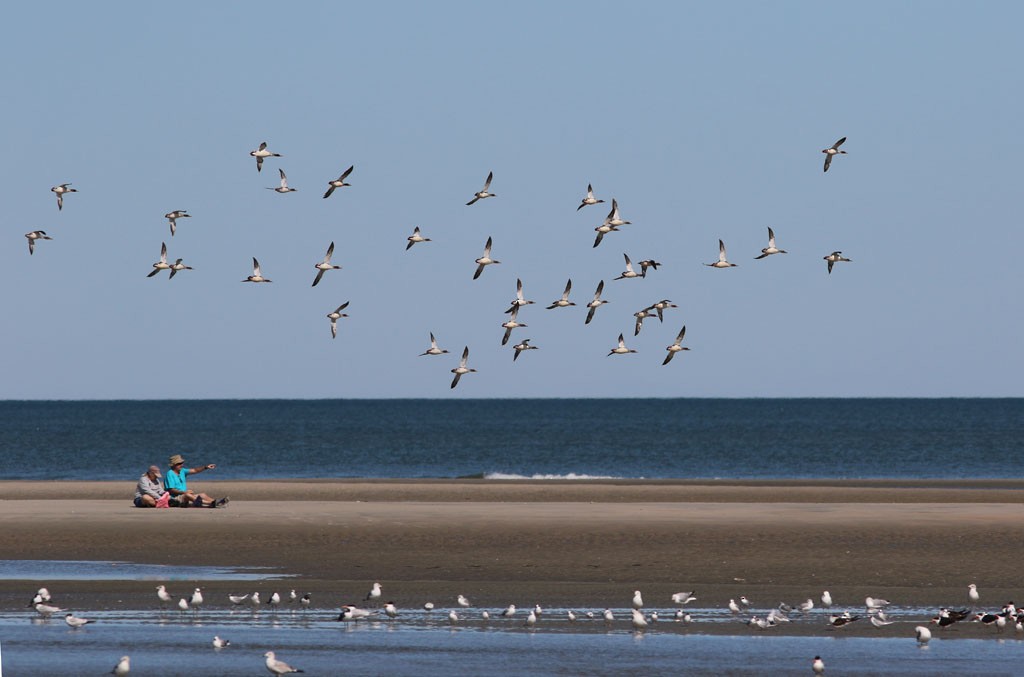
60 191
33 236
433 349
338 182
335 315
520 347
596 303
462 368
519 300
676 347
325 265
283 188
261 153
771 248
621 349
415 238
589 199
484 192
511 324
176 266
833 151
721 262
162 263
257 274
484 260
563 302
173 217
648 263
629 272
834 258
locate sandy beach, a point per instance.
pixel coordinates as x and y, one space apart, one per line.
557 543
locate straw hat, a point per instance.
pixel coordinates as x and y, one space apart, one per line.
175 460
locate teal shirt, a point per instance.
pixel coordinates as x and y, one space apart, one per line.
173 480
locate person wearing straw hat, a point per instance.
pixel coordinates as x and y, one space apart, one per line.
177 485
150 488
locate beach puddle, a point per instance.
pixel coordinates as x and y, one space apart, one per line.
86 570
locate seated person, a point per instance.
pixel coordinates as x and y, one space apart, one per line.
149 489
177 485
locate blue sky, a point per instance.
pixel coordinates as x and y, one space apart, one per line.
704 120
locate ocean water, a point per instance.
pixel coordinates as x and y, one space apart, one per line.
553 438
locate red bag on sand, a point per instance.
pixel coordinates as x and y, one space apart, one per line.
164 500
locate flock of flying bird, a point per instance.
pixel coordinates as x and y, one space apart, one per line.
611 224
876 611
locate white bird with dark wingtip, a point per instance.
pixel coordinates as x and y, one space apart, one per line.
336 315
519 300
172 218
277 667
924 635
638 620
621 349
415 238
675 348
771 248
46 610
33 236
428 606
875 603
879 621
683 598
163 595
462 368
483 193
832 152
640 316
463 602
509 611
260 154
806 606
613 219
453 617
484 260
162 263
596 303
818 665
563 302
972 593
274 601
721 262
589 199
177 266
75 622
374 594
325 265
338 182
661 306
219 643
834 258
628 272
603 230
234 599
520 347
733 606
433 349
511 324
283 188
257 273
182 605
60 191
123 667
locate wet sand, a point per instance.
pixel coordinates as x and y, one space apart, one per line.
573 544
